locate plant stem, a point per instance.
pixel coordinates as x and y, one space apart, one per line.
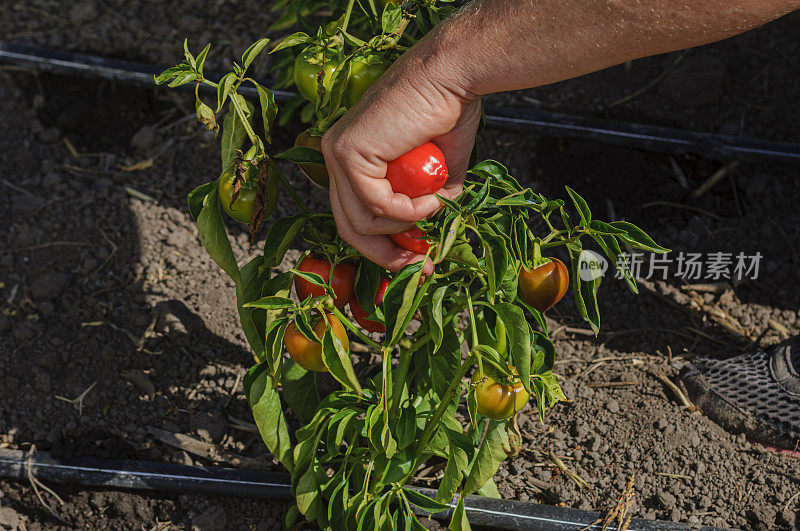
473 328
347 14
399 383
346 322
247 128
288 187
418 343
552 235
562 242
433 424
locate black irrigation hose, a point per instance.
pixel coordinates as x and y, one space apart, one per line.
648 137
164 477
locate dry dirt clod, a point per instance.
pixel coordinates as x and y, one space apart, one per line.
140 380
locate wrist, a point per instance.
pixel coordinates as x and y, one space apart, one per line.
440 60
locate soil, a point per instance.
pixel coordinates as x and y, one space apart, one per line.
104 286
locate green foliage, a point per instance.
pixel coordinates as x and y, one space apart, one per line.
358 446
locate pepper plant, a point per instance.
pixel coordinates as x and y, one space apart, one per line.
359 446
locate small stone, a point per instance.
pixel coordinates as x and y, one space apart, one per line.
49 135
9 518
212 519
82 12
51 180
788 518
209 427
146 140
140 380
41 381
579 430
666 500
49 286
612 406
48 359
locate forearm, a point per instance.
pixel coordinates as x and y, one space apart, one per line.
496 45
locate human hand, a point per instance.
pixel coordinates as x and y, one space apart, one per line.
404 109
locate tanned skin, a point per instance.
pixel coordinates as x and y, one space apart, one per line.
433 91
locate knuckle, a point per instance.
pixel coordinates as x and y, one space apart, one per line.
337 147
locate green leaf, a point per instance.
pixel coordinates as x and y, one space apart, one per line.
424 502
637 238
233 135
315 279
280 237
495 257
398 467
197 198
510 281
415 525
435 315
274 321
459 521
488 459
292 40
480 198
189 57
402 297
201 59
300 390
406 428
292 515
224 89
368 276
253 51
302 155
334 97
214 238
544 353
269 109
352 40
273 344
580 204
338 427
271 303
337 359
552 388
612 250
457 462
253 321
519 335
307 495
392 15
443 365
585 293
266 406
336 506
461 253
182 79
489 490
170 73
472 409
